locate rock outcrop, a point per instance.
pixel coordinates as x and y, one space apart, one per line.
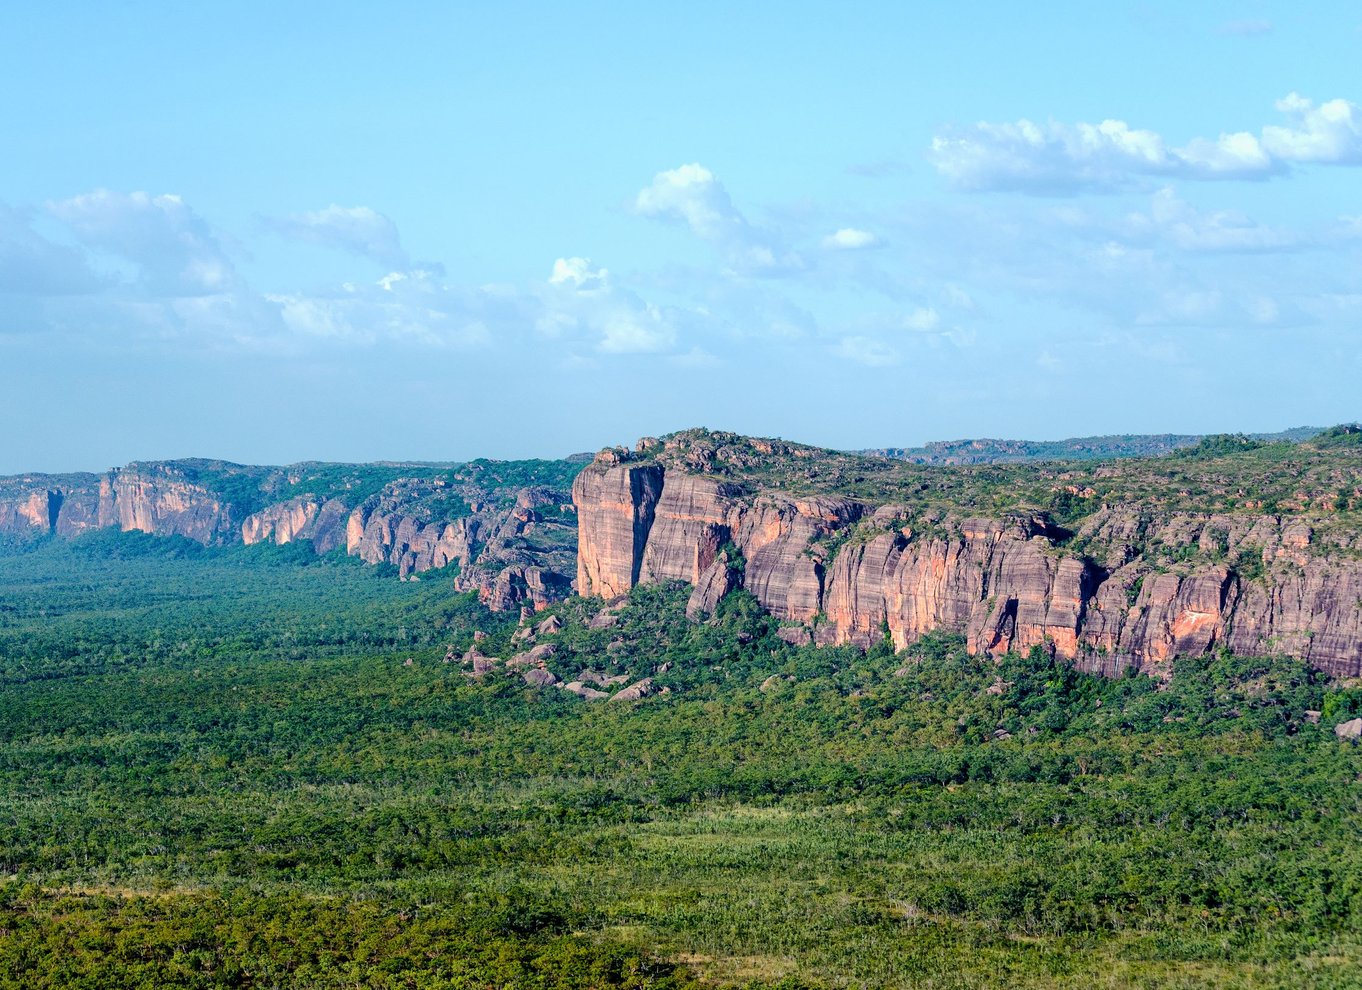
157 499
619 504
152 498
851 572
514 546
323 522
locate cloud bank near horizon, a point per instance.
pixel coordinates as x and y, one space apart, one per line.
1063 159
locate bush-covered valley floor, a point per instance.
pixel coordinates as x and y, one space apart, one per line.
217 769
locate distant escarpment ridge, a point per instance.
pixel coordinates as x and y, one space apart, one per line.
508 525
1245 544
989 451
1248 544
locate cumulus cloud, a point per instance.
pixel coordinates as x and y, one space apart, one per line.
692 195
170 278
356 229
850 239
641 331
174 249
1059 158
578 273
1330 133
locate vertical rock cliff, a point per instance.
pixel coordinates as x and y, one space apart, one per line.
151 498
851 572
514 544
617 507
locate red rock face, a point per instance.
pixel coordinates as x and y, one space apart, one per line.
376 536
510 555
29 513
303 518
169 507
1005 584
617 505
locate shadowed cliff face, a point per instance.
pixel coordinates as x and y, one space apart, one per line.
850 572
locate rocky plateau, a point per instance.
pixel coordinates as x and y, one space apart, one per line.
838 547
847 570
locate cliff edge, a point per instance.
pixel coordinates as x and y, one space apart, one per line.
1108 567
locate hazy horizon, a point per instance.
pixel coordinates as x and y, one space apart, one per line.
622 441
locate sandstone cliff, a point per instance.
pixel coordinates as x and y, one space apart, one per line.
1129 588
152 498
514 544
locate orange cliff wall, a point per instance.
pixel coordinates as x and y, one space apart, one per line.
1004 584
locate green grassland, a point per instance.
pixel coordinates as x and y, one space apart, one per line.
217 769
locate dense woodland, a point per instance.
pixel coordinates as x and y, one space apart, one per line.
254 767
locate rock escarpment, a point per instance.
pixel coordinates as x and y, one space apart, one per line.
1128 588
514 544
152 498
322 521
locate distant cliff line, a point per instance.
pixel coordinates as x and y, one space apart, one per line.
1107 447
512 537
1251 545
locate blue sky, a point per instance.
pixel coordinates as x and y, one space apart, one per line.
437 231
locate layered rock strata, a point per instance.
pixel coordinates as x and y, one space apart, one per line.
511 555
850 572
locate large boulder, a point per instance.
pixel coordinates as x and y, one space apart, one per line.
634 692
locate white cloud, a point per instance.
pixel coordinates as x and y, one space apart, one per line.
1052 157
1330 133
174 249
1230 156
693 195
578 273
641 331
413 307
1060 158
357 229
850 239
